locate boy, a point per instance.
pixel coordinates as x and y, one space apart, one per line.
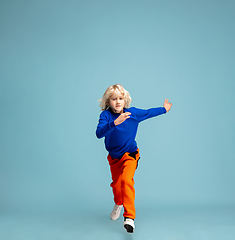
119 127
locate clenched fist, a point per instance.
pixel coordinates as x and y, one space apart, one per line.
123 117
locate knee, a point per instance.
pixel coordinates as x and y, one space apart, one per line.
127 181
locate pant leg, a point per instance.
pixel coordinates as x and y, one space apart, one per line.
127 185
116 172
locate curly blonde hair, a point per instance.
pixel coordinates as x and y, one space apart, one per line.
104 101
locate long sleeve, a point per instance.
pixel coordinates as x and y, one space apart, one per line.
104 126
121 138
143 114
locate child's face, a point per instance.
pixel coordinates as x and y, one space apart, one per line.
117 102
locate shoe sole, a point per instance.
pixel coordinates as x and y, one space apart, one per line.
114 219
129 228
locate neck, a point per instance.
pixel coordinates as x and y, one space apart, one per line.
117 112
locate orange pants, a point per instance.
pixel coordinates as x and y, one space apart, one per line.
123 171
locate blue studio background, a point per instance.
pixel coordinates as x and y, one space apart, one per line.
58 58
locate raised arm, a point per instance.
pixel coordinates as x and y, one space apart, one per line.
104 126
143 114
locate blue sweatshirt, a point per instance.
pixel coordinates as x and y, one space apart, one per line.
121 138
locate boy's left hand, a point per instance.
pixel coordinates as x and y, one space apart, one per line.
167 105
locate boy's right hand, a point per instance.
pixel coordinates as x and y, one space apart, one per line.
123 117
